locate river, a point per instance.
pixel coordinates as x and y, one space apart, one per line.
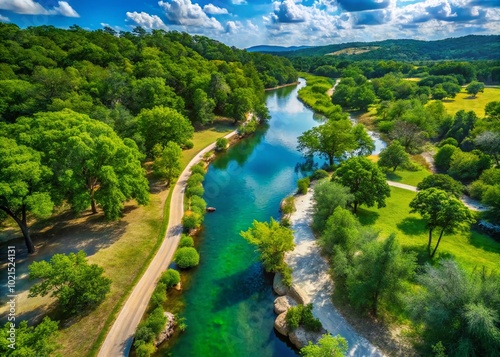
229 302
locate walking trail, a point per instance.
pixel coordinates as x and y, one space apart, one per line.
121 335
310 274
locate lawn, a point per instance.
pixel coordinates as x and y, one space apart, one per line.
471 249
408 177
466 102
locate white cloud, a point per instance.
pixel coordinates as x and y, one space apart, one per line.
183 12
30 7
4 18
150 22
214 10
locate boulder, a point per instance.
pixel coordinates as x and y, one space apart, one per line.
280 324
168 331
298 295
283 303
300 337
278 286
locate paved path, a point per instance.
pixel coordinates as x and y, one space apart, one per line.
120 337
310 274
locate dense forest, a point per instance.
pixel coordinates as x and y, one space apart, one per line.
80 110
472 47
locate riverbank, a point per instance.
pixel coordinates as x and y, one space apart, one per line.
282 86
311 275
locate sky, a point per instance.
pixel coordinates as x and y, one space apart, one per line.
244 23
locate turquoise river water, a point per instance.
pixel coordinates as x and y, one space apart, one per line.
229 301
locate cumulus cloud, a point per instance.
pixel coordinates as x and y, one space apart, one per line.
214 10
362 5
442 10
376 17
288 11
146 20
232 26
183 12
30 7
4 18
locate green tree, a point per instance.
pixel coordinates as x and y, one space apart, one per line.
221 144
328 345
331 139
161 125
442 211
76 284
365 180
327 197
167 164
458 309
203 106
364 143
24 185
91 164
380 273
272 241
30 341
489 143
363 97
443 182
475 87
442 159
393 156
342 230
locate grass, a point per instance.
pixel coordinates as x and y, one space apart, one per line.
408 177
466 102
314 94
471 249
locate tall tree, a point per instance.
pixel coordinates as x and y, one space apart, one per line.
380 272
393 156
332 139
365 180
475 87
91 164
24 185
167 164
327 196
442 211
443 182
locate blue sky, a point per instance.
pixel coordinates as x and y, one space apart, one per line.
244 23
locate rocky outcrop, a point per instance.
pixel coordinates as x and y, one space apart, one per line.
298 295
278 286
168 331
283 303
300 337
280 324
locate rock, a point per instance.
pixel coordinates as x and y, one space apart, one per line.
283 303
280 324
300 337
178 286
278 286
168 330
298 295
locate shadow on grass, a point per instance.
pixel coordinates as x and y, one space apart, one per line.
367 218
392 176
423 256
412 226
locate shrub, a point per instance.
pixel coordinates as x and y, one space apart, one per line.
448 141
289 205
293 317
191 220
188 145
186 257
186 241
170 277
145 349
159 295
442 159
319 174
195 180
221 144
198 169
303 185
198 205
286 274
195 191
301 315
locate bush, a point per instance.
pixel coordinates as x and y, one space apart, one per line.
198 205
293 317
303 185
442 159
186 241
191 220
195 191
221 144
448 141
159 295
170 277
188 145
195 180
186 257
145 350
319 174
301 315
286 274
198 169
289 205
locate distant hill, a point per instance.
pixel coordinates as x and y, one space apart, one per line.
472 47
275 49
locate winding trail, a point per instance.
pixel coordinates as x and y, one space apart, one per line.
310 274
119 338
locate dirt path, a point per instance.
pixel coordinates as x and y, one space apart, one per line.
120 337
331 90
310 273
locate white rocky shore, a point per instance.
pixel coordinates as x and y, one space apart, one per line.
312 284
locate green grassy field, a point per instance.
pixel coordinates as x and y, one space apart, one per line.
466 102
315 94
471 249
